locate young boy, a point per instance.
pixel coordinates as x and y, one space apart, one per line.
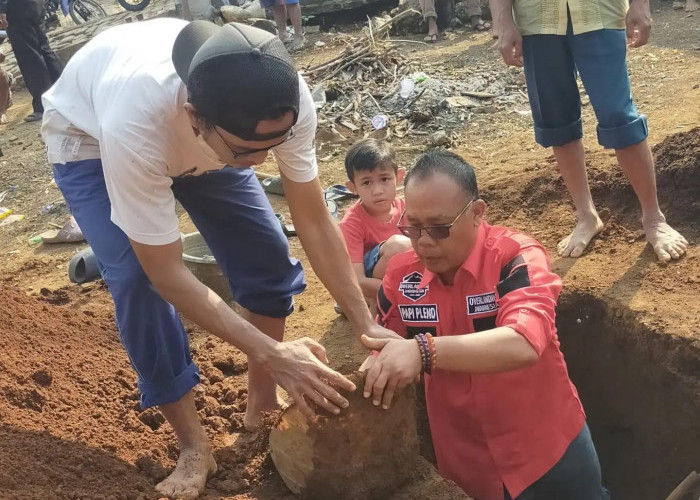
369 226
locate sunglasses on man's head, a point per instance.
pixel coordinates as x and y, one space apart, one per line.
435 232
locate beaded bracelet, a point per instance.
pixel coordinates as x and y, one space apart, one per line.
424 352
421 350
432 352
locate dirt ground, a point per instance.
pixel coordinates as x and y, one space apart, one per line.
70 424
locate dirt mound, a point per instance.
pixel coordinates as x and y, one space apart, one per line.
71 424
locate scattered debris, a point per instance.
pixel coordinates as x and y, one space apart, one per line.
373 86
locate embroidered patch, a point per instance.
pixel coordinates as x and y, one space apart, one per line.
482 303
419 313
409 286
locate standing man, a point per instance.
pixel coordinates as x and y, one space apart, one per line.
555 39
39 64
153 112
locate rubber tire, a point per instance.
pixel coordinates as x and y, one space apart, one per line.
134 7
96 7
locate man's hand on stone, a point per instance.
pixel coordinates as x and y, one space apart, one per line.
510 44
300 368
397 365
638 22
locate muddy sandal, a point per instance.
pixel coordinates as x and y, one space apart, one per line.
431 38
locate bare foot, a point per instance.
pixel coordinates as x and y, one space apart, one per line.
254 413
190 476
666 241
691 5
574 244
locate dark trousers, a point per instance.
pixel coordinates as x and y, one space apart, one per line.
39 64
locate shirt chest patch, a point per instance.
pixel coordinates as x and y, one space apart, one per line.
409 286
419 313
482 303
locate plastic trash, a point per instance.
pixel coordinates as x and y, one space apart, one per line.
406 88
419 77
379 121
318 94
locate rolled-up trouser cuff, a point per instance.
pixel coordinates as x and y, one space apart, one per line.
625 135
427 8
168 391
559 136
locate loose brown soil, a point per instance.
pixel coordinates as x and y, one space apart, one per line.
70 425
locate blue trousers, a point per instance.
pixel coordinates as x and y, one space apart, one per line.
576 476
235 218
551 63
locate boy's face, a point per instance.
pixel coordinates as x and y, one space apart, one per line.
376 188
436 201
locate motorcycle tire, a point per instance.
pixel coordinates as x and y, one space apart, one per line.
83 11
134 5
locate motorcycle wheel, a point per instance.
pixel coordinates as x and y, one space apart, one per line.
134 5
83 11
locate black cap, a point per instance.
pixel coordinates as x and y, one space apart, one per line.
236 75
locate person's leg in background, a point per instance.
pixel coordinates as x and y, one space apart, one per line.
5 93
474 14
601 60
30 61
550 71
236 220
279 13
53 63
294 14
149 328
427 7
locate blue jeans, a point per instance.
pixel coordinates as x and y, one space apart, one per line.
235 218
576 476
551 63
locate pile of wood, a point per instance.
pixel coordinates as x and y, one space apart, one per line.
356 81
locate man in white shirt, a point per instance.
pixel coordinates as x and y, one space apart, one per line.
161 110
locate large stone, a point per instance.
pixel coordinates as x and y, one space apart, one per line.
364 453
234 14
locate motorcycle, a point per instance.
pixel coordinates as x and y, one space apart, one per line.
81 11
134 5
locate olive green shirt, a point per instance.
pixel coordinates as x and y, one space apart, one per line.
548 17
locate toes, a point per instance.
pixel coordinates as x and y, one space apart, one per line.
187 494
662 254
578 250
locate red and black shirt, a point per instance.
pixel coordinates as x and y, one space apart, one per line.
500 429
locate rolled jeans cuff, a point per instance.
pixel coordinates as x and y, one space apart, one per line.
625 135
559 136
168 391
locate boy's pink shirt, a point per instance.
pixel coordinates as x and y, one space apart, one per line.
362 232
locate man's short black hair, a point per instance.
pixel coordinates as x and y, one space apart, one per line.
368 154
439 161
